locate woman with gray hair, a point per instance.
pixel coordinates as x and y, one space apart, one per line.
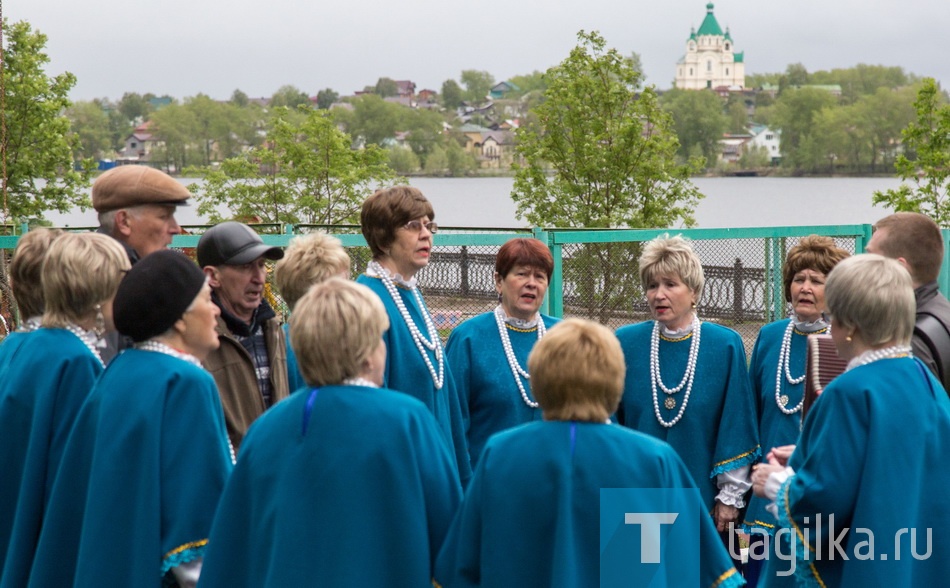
687 381
46 376
869 460
344 483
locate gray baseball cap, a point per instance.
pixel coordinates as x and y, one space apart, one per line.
233 243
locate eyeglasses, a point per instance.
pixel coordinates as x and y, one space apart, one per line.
416 226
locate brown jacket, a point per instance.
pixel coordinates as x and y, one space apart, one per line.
234 374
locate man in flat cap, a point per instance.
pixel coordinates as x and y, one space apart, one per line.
250 365
136 206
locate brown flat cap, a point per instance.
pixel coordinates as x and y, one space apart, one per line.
132 185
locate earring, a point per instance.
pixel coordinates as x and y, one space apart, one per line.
848 338
100 328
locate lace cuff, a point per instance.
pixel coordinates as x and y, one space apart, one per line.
733 485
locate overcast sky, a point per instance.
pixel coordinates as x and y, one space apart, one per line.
186 47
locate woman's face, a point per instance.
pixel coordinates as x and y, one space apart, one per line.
808 294
199 337
410 251
522 291
671 301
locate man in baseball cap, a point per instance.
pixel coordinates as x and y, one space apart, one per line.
250 365
136 206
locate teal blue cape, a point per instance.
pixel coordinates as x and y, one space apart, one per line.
407 372
44 378
718 431
490 399
531 515
872 454
335 486
141 476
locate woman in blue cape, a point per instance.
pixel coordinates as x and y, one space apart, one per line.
148 457
46 374
860 502
344 483
495 397
777 370
308 260
534 513
398 225
687 381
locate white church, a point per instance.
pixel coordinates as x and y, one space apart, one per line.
711 60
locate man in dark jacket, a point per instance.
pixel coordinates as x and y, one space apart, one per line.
914 240
250 366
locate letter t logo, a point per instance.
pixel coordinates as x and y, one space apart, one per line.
650 523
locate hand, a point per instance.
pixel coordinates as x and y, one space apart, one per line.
760 475
724 514
780 455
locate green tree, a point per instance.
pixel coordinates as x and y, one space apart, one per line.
289 96
477 84
239 99
926 161
403 160
460 162
386 87
451 94
373 120
305 173
174 125
527 83
737 116
794 113
325 98
598 154
437 162
698 120
91 124
135 107
37 149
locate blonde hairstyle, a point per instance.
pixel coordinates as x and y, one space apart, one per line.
27 267
566 392
82 270
813 252
310 259
672 256
335 328
873 295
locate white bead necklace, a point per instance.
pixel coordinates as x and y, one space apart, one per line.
516 370
432 343
88 339
159 347
784 355
359 382
877 354
688 377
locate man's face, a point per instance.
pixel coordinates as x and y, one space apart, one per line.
240 288
148 228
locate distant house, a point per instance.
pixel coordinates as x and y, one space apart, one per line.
497 149
157 102
139 145
733 146
501 88
771 140
426 96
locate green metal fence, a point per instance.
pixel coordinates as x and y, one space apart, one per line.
595 273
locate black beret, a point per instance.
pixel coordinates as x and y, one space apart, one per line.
155 293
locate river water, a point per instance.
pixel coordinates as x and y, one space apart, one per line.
730 202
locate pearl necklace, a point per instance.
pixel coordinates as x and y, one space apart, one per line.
876 354
432 343
784 361
159 347
30 325
688 377
359 382
516 370
87 340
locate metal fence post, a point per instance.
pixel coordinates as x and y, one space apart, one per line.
737 303
463 269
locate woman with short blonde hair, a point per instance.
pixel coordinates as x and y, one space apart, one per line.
687 380
345 465
869 457
26 270
47 376
532 513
